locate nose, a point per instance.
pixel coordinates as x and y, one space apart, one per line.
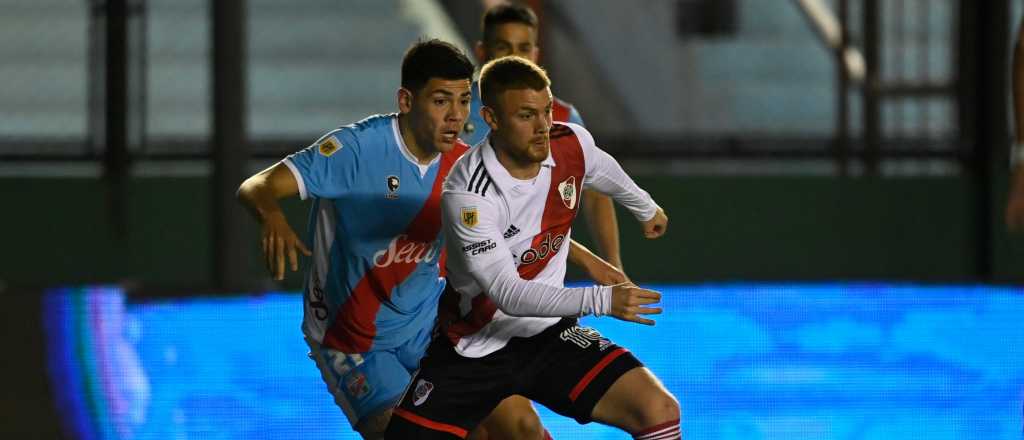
457 113
544 123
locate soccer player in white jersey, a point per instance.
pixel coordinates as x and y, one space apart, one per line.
507 208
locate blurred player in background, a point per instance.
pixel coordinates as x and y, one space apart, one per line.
511 29
1015 203
507 210
372 290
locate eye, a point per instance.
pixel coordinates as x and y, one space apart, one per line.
440 101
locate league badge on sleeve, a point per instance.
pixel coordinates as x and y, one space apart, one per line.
567 189
393 183
329 146
469 216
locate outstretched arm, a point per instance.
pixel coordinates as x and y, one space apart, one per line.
260 193
480 252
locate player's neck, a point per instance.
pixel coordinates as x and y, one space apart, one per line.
425 155
518 169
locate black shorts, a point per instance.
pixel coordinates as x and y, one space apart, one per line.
566 368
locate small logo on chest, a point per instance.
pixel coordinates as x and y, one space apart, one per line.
392 184
567 190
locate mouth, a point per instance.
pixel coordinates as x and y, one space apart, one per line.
449 136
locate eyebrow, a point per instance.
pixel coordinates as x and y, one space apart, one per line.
447 93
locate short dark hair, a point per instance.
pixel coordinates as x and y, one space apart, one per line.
433 59
506 13
510 73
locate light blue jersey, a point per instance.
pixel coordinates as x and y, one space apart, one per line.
477 130
372 290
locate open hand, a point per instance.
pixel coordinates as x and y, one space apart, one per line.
279 242
628 303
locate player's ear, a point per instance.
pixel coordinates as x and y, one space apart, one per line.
481 52
404 100
490 117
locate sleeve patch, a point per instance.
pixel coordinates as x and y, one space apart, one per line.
469 216
329 146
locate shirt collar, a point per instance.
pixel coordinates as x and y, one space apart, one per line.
405 150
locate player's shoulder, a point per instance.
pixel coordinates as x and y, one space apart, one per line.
561 104
462 170
469 175
563 129
372 130
562 110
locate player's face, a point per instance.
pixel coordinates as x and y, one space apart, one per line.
521 124
439 111
512 39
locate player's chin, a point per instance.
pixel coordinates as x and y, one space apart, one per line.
446 142
539 152
444 146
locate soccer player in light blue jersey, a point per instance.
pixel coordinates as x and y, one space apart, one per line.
372 289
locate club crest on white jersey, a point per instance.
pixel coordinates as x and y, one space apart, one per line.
567 189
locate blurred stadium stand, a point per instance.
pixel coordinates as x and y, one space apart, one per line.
685 111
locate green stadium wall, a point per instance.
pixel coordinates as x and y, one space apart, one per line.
721 229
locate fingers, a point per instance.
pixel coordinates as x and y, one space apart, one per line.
293 257
656 226
642 301
646 310
647 293
632 301
639 320
268 254
302 247
633 314
279 258
655 231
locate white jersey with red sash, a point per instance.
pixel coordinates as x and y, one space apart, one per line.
508 239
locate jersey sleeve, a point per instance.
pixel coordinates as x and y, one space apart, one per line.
477 246
605 175
574 116
328 168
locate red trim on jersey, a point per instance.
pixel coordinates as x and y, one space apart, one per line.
557 218
481 312
430 424
354 327
560 110
589 377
